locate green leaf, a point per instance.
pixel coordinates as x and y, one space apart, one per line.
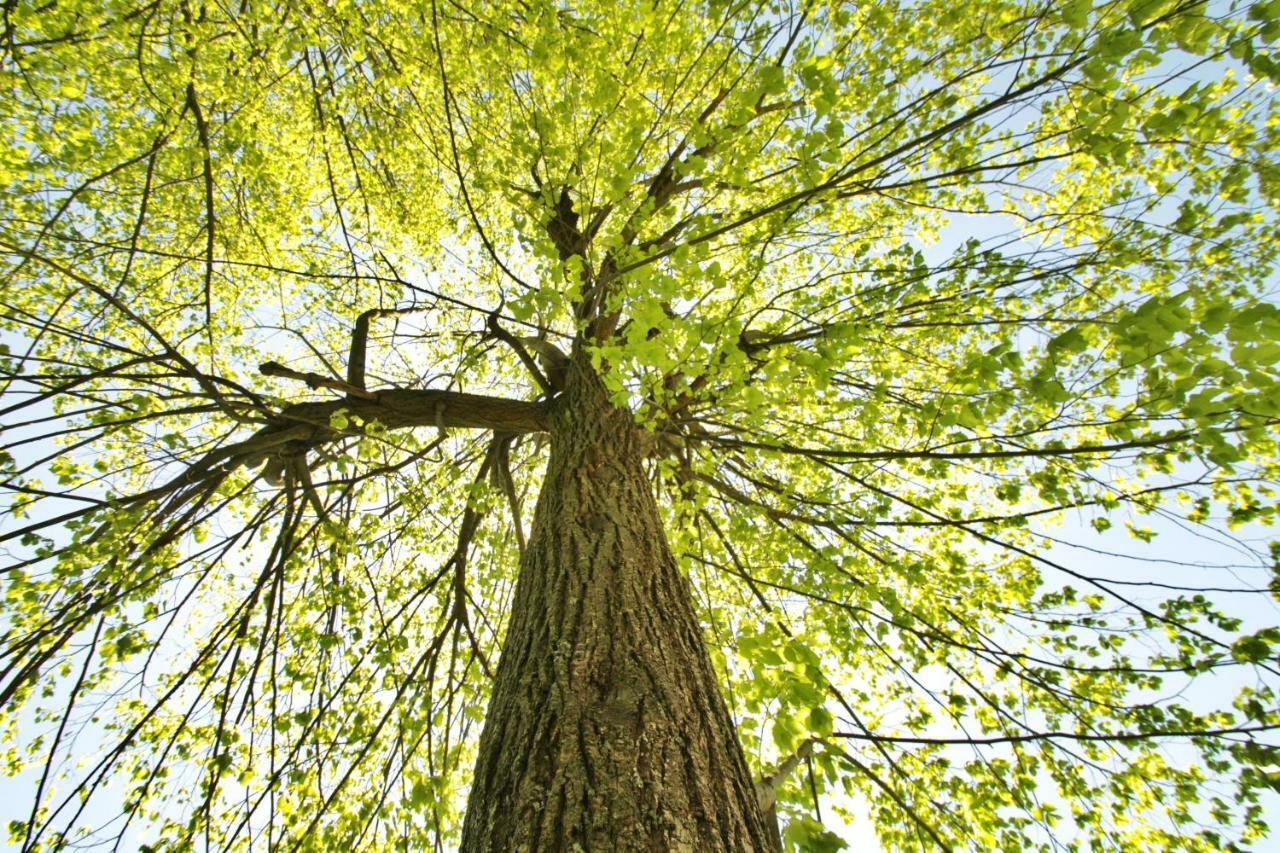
807 835
821 722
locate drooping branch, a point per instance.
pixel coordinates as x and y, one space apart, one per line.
1102 737
447 97
470 523
500 474
496 330
202 131
901 802
1151 442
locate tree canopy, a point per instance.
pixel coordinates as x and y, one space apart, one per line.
915 299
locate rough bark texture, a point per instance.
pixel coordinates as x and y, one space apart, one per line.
606 730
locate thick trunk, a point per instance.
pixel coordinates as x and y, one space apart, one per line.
606 730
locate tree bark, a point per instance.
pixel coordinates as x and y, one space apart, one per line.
606 730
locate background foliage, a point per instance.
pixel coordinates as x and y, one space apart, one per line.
900 287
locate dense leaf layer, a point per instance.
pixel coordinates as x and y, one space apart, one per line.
909 295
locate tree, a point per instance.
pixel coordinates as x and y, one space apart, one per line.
639 425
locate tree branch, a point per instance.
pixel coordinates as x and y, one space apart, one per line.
1108 737
318 380
767 787
496 330
397 408
202 131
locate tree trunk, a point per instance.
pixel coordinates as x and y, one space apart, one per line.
606 729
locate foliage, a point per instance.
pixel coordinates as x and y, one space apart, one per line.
907 292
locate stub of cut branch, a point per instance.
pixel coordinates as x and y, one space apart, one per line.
315 380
